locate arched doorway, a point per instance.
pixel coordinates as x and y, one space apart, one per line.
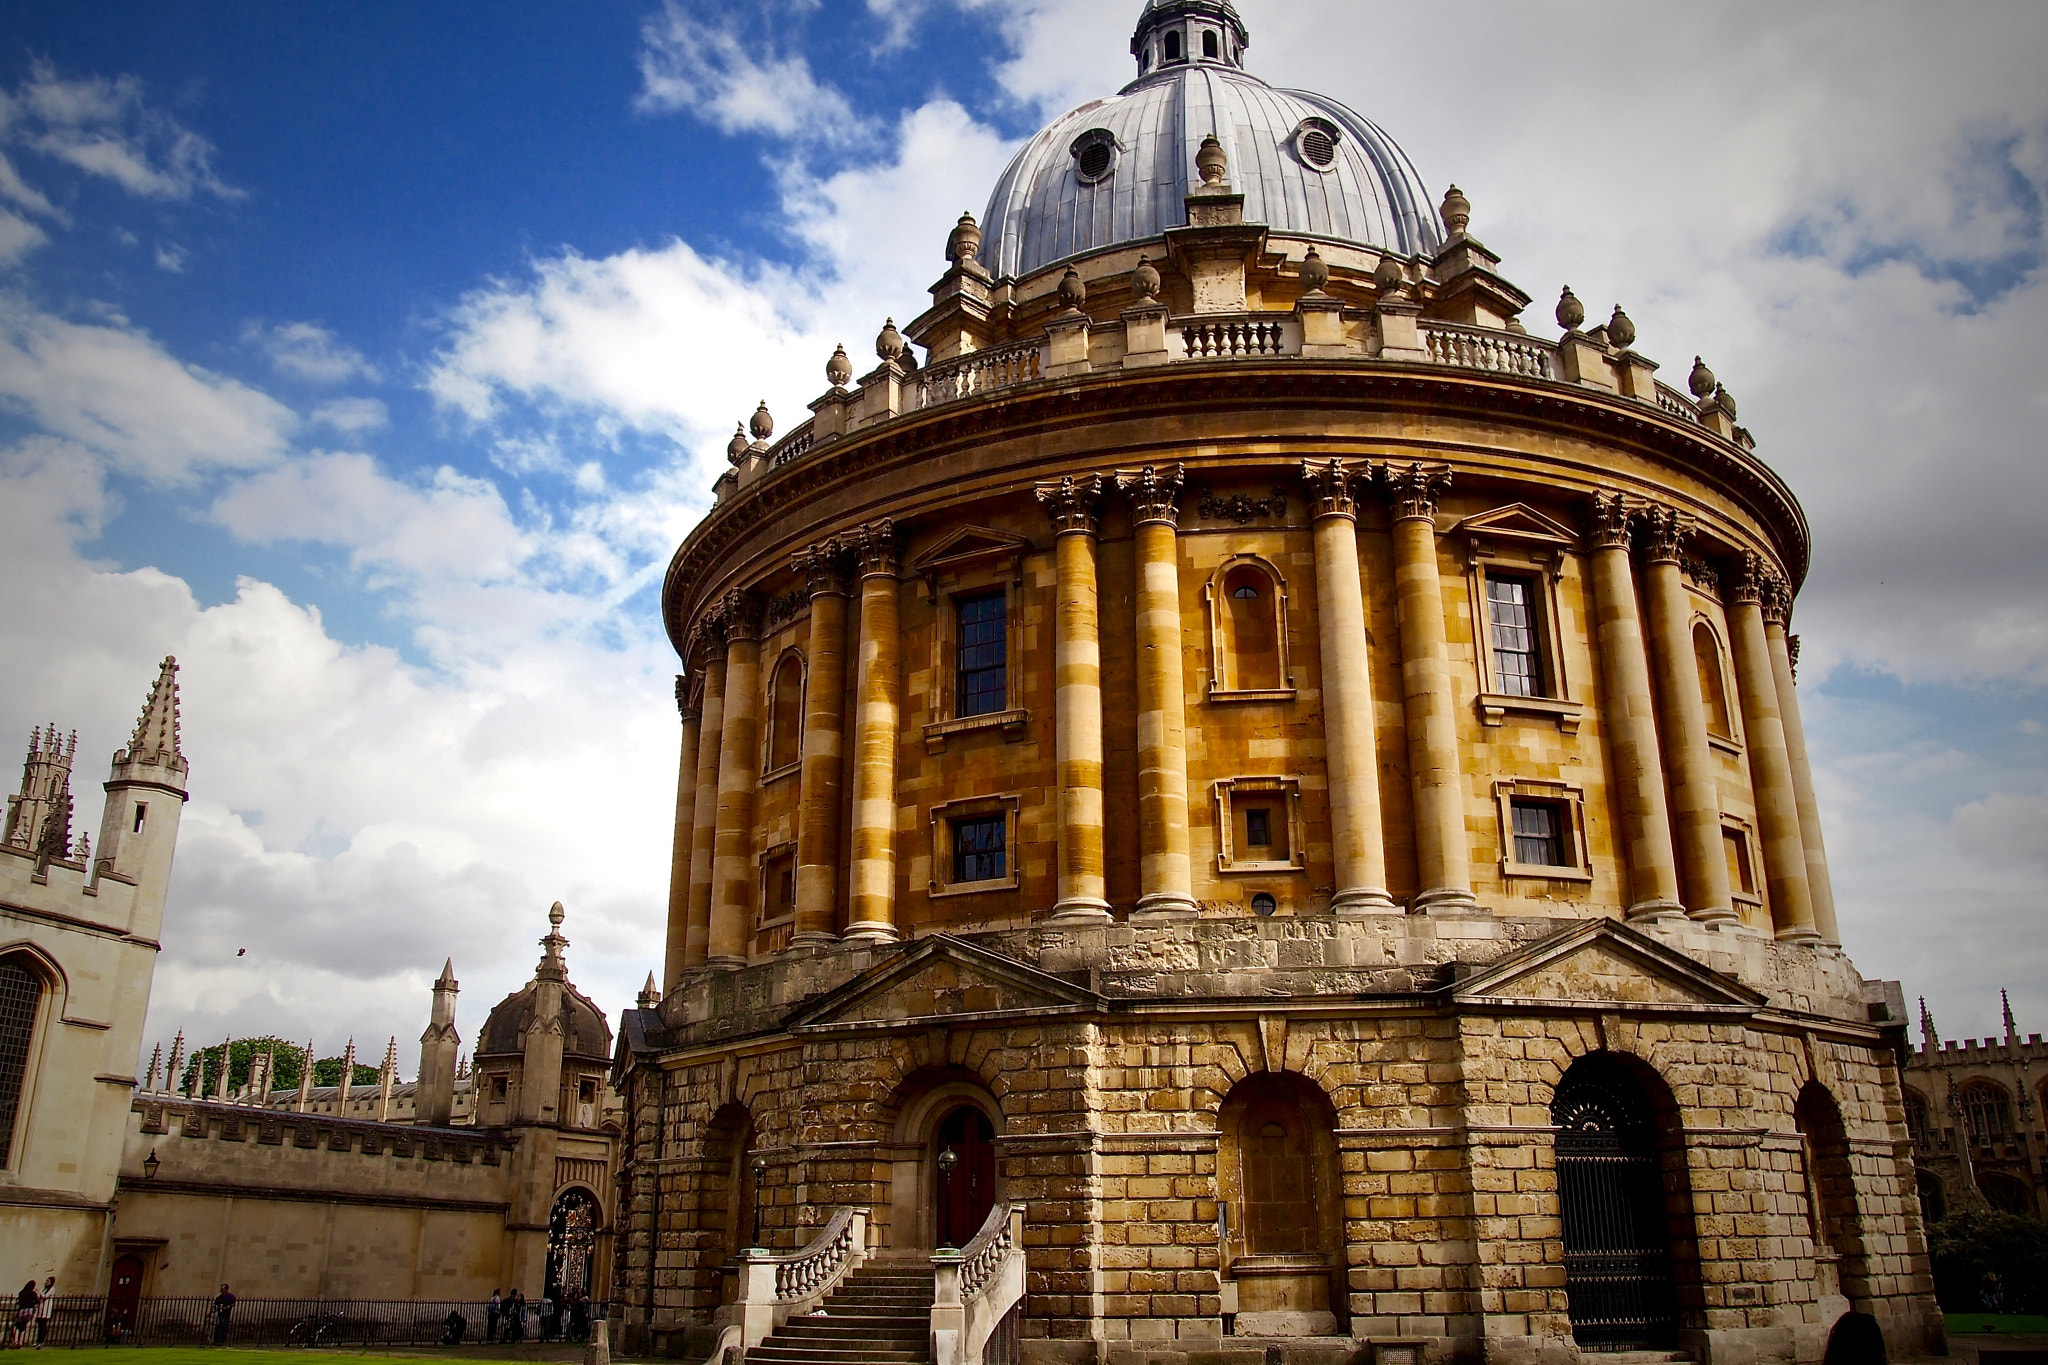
124 1295
572 1241
1618 1188
1277 1180
1831 1192
966 1185
725 1205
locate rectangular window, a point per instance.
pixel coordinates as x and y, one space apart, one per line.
1741 875
779 885
1540 834
978 852
1512 619
1258 828
498 1087
983 637
141 813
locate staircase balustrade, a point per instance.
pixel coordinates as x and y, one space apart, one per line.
975 1291
776 1286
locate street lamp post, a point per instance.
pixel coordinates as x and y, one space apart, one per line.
760 1170
948 1159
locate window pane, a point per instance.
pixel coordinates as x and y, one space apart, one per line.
978 853
1258 829
984 656
20 991
1539 834
1511 617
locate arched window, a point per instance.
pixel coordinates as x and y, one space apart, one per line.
1831 1191
1933 1199
1916 1118
1173 47
786 713
1248 622
21 998
1277 1172
1706 652
572 1242
1209 44
1986 1112
1624 1203
2006 1194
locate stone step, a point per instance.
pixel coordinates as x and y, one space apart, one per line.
856 1353
816 1329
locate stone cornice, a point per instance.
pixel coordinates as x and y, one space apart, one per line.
1262 388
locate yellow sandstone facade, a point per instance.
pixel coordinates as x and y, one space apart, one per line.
1280 764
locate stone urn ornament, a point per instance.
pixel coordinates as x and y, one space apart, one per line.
1387 276
1701 380
964 243
1315 272
1621 332
1073 290
839 368
1570 312
762 424
1457 211
1210 162
889 342
1145 280
736 448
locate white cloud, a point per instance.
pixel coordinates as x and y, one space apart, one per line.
104 127
351 416
308 351
113 389
18 237
736 81
171 258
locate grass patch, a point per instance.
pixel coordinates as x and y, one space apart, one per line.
2016 1324
238 1355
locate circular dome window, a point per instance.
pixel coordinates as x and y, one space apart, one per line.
1094 155
1315 142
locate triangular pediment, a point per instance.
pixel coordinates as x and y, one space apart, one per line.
1520 523
942 977
1603 962
969 545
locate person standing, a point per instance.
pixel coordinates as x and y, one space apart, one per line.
46 1304
223 1304
24 1316
491 1311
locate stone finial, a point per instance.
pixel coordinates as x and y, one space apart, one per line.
761 424
1210 162
1570 312
1726 400
839 368
736 448
1073 290
1145 280
1701 380
963 244
1621 332
155 740
1315 272
889 341
1457 211
1388 276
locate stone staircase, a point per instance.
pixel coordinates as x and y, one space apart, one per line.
881 1313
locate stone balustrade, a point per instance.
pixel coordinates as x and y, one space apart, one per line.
975 1288
776 1286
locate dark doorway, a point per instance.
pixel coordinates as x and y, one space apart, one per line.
1617 1233
969 1192
572 1242
124 1295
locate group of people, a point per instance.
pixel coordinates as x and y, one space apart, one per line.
564 1318
32 1309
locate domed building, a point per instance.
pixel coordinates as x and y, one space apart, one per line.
1258 799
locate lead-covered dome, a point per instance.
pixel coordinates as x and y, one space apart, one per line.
1118 169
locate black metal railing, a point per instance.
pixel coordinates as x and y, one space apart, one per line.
94 1320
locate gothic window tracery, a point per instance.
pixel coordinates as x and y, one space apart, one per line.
1987 1112
21 992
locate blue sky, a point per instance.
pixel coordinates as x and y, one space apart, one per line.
373 362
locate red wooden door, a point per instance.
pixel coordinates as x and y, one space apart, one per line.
966 1196
124 1296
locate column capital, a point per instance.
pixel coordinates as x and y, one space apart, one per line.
1750 583
1666 532
1154 492
1777 600
687 706
875 546
823 567
1608 520
1792 656
1333 486
1412 488
742 609
708 635
1074 504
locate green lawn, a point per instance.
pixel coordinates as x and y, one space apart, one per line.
236 1355
1970 1324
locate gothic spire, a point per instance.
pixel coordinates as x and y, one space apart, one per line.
155 741
1928 1037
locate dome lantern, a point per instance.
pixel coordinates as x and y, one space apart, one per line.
1174 33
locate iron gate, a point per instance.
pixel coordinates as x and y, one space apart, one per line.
1617 1242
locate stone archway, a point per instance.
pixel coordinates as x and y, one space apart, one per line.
938 1109
573 1225
1831 1194
1278 1186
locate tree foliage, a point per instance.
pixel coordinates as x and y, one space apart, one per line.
1988 1260
241 1053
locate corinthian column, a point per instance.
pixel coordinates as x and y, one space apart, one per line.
1770 767
710 644
1166 869
1073 505
685 831
817 835
871 878
1443 850
1350 736
1688 758
1635 778
733 874
1777 608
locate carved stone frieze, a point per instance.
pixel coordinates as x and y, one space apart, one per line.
1074 504
1154 492
1413 488
787 605
1332 486
1242 508
1702 572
